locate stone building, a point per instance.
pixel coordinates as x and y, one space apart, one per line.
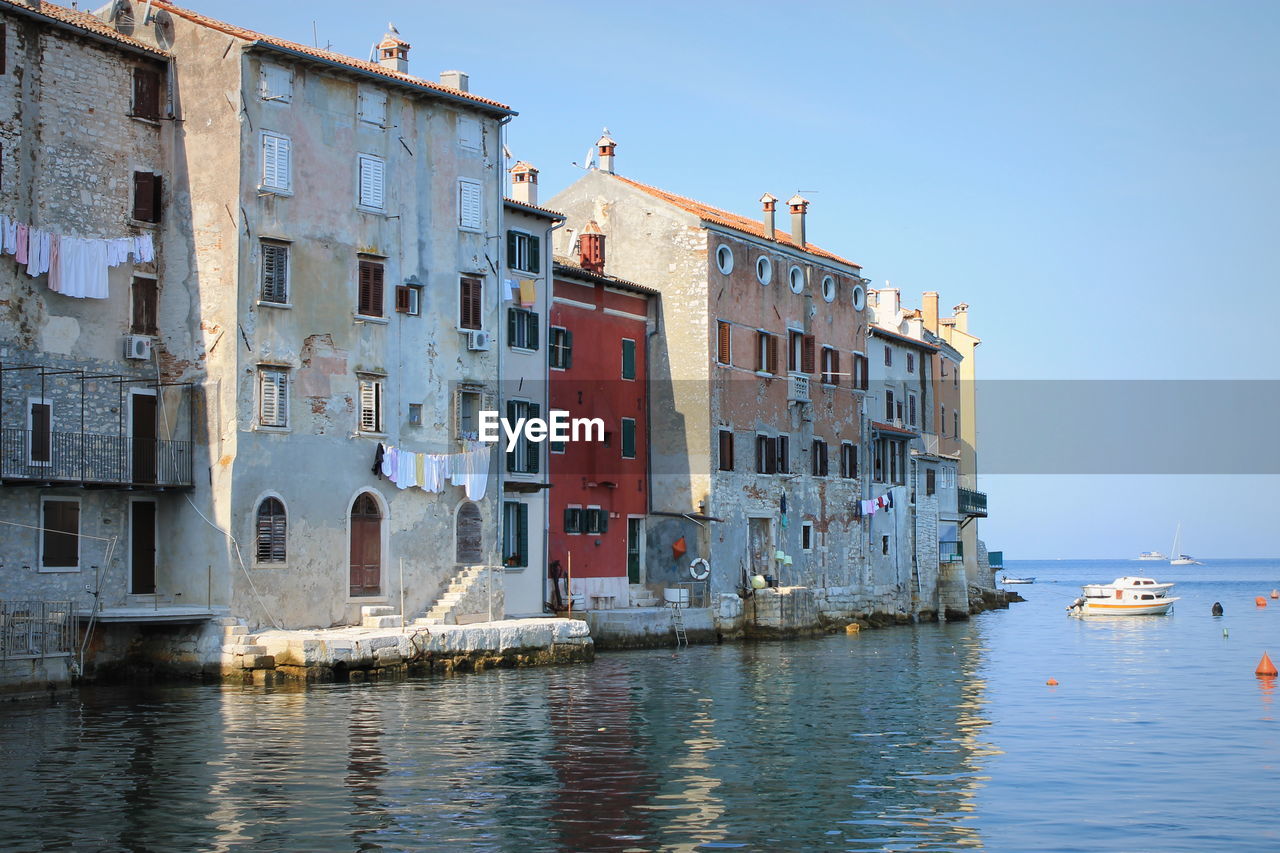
756 398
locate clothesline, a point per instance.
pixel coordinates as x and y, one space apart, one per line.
432 471
77 266
871 507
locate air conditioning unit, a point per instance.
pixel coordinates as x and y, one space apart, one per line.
137 347
479 341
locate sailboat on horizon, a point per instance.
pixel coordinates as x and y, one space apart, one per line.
1178 558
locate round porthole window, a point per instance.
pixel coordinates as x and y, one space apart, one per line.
724 259
764 269
829 288
859 298
797 280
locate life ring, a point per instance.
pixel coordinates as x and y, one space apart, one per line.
700 574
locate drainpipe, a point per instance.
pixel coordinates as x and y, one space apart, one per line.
500 171
548 255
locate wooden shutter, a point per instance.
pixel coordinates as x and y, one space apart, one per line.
369 301
276 168
513 417
628 359
783 444
531 329
808 347
835 367
402 299
370 405
535 254
470 534
628 438
143 298
273 397
771 348
533 449
469 204
146 93
572 520
726 450
513 327
568 349
275 273
146 193
522 534
372 182
61 535
930 481
513 250
724 343
469 303
865 366
911 410
888 405
41 426
271 532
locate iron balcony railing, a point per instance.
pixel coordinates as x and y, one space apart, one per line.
35 629
950 551
93 460
973 503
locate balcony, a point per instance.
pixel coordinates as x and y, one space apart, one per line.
84 459
973 503
950 551
798 389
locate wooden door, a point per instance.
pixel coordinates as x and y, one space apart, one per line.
634 530
143 441
142 547
366 547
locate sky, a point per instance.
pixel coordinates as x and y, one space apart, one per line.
1097 180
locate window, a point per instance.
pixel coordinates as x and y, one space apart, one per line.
888 405
911 409
469 200
806 536
766 352
830 366
573 519
275 273
597 520
4 31
415 414
523 458
724 342
828 288
848 460
766 454
145 303
884 544
911 362
276 83
628 438
40 425
859 298
273 397
628 358
524 252
409 299
469 134
726 450
955 424
60 538
942 365
515 534
861 369
795 350
724 259
372 194
371 106
808 347
271 530
888 357
819 462
796 277
469 295
466 414
522 328
942 421
469 534
276 161
560 348
764 270
783 465
930 481
369 289
146 196
146 93
371 405
955 377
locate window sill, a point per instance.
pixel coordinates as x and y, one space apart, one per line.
154 121
514 568
262 303
264 190
271 565
373 211
142 223
284 430
377 435
465 331
525 350
377 598
59 570
467 230
369 318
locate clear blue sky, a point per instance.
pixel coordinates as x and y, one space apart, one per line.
1098 180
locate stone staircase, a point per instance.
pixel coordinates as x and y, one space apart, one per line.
380 616
641 596
467 599
240 649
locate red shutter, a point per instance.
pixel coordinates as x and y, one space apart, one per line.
807 354
469 304
835 367
772 353
146 190
724 351
402 299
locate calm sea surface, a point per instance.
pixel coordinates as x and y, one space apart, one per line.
1158 737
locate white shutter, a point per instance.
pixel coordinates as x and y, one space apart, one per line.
273 396
370 405
469 215
277 83
469 133
372 172
275 161
372 106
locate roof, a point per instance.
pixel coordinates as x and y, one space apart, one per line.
360 65
84 22
890 428
881 332
563 265
533 208
724 218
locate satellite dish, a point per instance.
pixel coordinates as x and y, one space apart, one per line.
119 14
163 22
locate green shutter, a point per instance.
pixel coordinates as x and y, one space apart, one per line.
511 249
513 325
572 520
511 419
534 449
568 349
522 534
531 329
604 520
535 254
628 359
628 438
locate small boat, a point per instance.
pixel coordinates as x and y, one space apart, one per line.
1152 555
1181 559
1017 580
1125 597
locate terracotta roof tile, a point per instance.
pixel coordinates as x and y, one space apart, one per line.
533 208
83 21
328 56
732 220
882 332
568 267
880 426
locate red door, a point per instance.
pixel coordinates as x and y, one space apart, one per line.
366 546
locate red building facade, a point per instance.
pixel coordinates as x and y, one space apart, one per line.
598 369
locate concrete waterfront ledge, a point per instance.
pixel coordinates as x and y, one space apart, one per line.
339 654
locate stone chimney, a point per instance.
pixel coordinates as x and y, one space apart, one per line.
888 302
605 146
799 207
930 300
524 183
591 248
393 51
455 80
770 205
962 316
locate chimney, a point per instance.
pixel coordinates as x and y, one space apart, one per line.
799 207
524 183
455 80
605 147
591 248
393 51
770 204
962 316
931 310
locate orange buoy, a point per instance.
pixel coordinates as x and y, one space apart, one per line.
1260 601
1052 682
1266 669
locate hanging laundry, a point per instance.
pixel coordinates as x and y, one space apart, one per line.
377 459
508 285
869 507
528 293
478 475
20 251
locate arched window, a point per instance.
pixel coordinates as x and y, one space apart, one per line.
469 529
272 531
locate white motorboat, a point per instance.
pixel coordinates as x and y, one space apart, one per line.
1152 555
1123 599
1179 558
1017 580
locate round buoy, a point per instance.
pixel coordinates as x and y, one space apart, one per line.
1266 669
1275 593
1260 601
1052 682
1217 608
